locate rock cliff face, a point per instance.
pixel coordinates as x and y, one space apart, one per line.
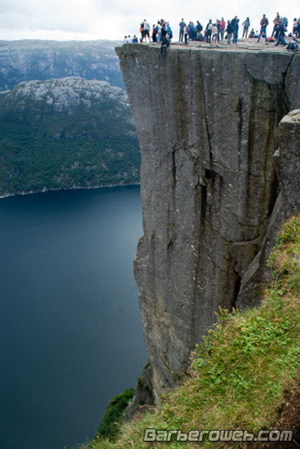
287 159
207 122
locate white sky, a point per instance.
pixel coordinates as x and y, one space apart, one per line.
112 19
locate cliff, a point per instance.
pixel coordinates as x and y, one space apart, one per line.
66 133
207 121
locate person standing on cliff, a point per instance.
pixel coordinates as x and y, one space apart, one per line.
169 34
223 26
280 35
182 24
229 31
246 25
154 32
199 28
159 37
263 28
163 28
146 30
235 29
276 23
208 31
142 32
215 33
186 34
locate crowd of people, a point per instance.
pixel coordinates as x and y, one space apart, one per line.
218 31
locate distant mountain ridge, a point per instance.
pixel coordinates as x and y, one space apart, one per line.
27 60
66 133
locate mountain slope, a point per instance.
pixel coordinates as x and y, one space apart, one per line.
27 60
66 133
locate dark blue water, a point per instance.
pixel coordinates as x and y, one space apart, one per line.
70 328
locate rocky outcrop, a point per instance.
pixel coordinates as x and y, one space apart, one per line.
287 169
143 394
207 121
287 159
67 94
31 59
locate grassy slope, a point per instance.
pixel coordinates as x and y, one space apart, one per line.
239 377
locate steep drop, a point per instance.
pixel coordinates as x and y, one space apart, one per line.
207 122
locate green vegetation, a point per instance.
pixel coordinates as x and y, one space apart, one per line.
80 146
114 413
239 376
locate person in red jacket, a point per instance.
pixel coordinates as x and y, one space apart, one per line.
223 26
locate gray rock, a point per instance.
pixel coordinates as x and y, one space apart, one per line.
143 394
69 93
287 159
287 164
207 122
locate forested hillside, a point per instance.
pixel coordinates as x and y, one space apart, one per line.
66 133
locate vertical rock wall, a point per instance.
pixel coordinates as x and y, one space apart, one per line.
287 159
207 122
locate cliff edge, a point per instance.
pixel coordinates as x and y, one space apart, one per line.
207 121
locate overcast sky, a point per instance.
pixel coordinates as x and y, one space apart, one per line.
112 19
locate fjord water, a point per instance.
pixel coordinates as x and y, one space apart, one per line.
70 328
